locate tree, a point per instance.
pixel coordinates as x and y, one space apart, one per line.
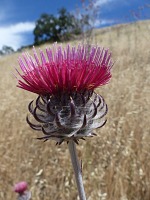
51 28
6 50
46 29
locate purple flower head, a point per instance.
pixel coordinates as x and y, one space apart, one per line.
67 107
20 187
65 70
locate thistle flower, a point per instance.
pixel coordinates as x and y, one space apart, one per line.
67 107
21 189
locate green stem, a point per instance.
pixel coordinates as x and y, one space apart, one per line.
77 169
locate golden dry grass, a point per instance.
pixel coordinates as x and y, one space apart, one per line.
116 163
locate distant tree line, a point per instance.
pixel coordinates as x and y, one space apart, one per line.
6 50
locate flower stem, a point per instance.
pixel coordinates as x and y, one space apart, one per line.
77 169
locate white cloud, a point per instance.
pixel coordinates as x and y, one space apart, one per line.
22 27
107 22
13 35
102 22
102 2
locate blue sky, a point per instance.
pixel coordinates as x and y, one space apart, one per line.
17 17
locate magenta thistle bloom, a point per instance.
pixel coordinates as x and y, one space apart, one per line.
67 107
20 187
68 70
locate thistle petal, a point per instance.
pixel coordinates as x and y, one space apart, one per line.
65 70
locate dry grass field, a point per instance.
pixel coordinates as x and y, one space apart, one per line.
116 163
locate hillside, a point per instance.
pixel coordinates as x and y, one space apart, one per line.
116 163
